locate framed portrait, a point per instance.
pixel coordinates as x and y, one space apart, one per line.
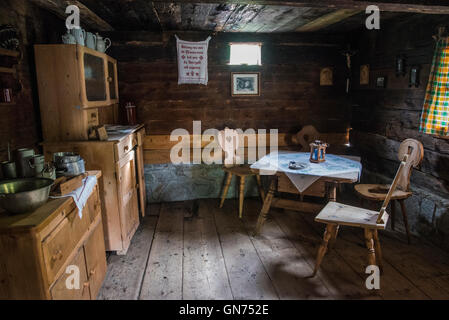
326 77
364 74
381 82
245 84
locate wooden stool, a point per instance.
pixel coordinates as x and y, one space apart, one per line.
242 172
378 192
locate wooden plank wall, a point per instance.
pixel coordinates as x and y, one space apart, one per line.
157 148
291 96
382 118
20 122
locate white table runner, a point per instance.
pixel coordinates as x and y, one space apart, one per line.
334 167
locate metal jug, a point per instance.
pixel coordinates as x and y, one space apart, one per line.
37 162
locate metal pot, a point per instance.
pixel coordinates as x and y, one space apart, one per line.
24 195
65 157
22 157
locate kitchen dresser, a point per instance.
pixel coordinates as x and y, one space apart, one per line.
122 187
40 250
78 91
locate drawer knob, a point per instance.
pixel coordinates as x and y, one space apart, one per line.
92 272
126 148
57 255
86 284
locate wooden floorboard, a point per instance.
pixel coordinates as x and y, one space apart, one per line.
204 271
124 277
342 281
246 272
200 251
286 266
163 275
350 246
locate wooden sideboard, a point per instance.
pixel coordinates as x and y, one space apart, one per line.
40 250
122 186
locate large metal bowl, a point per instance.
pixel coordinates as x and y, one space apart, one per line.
24 195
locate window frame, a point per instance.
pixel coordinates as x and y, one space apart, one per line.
260 44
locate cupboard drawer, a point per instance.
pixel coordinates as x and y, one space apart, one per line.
125 146
77 291
93 205
94 250
58 246
317 189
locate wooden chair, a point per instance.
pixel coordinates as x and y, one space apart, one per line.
377 192
335 214
229 142
305 136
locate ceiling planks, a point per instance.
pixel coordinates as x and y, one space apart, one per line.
88 17
328 19
260 16
411 6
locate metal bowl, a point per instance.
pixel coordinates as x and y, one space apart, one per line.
24 195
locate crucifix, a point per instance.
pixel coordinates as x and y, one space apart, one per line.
348 53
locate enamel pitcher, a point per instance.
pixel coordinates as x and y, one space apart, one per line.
91 40
103 44
80 35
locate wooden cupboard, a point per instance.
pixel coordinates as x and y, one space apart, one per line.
78 89
41 250
122 186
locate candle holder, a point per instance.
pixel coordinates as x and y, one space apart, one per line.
318 151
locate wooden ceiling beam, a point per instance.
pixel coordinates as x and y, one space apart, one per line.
328 19
88 18
406 6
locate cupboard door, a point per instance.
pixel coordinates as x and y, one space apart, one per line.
127 186
141 172
77 290
94 77
58 246
112 80
95 260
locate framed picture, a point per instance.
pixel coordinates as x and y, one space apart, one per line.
326 77
381 82
245 84
364 74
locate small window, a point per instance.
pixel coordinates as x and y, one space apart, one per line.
245 53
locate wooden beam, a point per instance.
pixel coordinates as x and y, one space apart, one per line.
406 6
87 17
328 19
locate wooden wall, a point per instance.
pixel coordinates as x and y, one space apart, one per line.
20 123
382 118
290 92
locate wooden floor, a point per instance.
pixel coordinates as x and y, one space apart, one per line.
194 250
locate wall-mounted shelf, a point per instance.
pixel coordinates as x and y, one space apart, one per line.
8 70
11 53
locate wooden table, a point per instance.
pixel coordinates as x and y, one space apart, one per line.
324 186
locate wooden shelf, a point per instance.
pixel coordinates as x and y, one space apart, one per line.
11 53
7 70
7 104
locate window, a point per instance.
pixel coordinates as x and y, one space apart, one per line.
246 53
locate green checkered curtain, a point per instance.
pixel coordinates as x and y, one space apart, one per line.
435 114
